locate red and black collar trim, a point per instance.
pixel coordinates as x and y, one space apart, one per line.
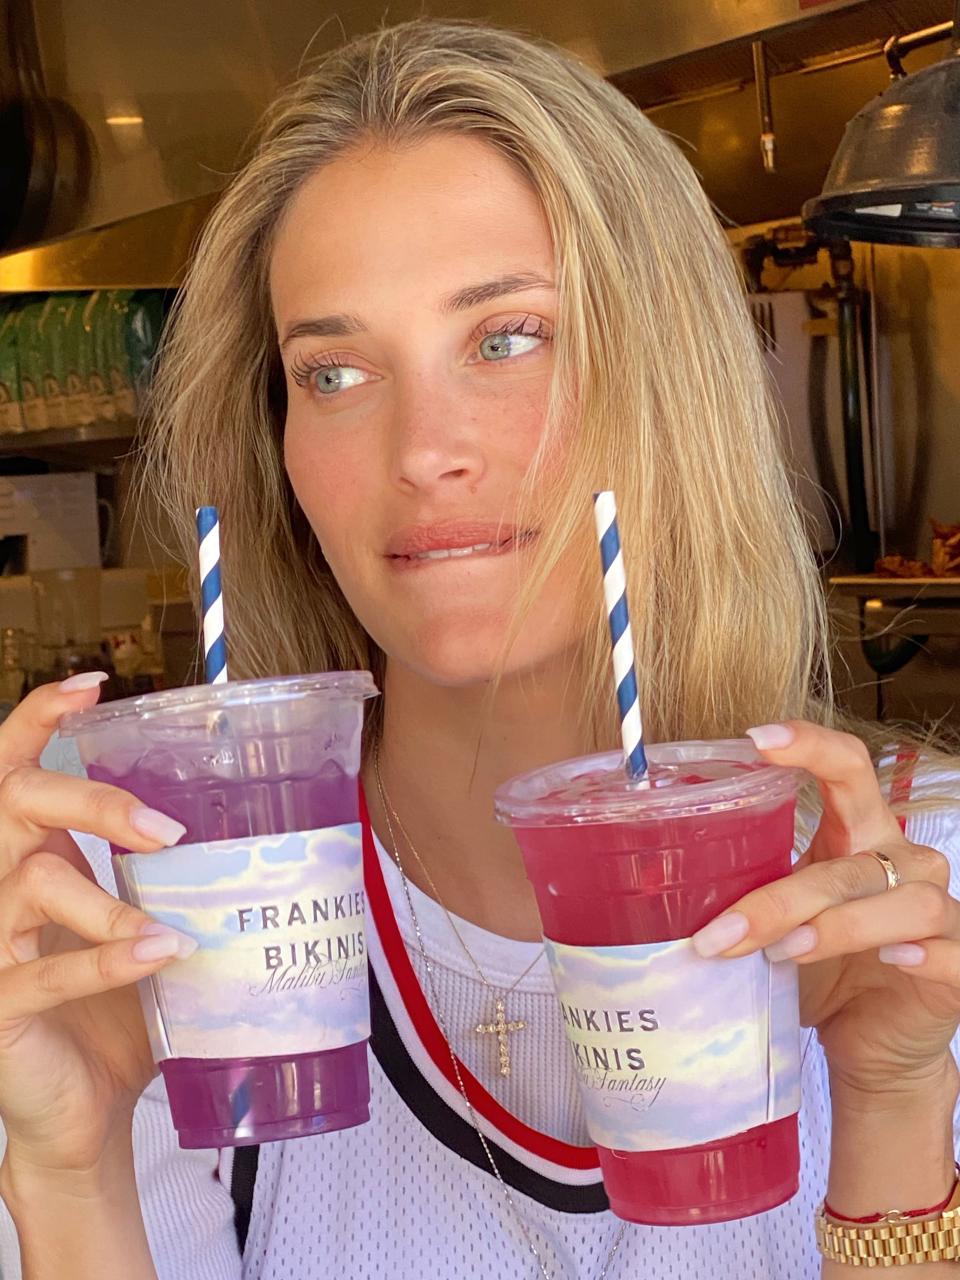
405 1001
459 1136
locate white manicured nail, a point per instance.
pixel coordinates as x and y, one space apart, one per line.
159 942
156 826
799 942
83 680
907 954
771 737
721 934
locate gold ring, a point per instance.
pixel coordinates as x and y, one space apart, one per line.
894 879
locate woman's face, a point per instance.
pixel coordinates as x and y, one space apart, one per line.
414 302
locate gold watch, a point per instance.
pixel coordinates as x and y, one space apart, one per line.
894 1241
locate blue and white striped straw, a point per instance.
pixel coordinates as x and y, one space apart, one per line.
211 596
624 665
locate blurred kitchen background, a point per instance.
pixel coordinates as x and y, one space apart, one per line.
119 124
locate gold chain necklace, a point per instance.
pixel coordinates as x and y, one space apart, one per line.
441 1022
499 1025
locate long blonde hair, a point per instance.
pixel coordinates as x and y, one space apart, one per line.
656 364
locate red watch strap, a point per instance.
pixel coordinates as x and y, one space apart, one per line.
900 1213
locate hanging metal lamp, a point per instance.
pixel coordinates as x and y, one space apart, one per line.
895 178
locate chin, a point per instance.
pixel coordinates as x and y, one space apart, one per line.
455 654
470 654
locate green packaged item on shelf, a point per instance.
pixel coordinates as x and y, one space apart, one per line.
97 311
144 320
76 359
11 400
54 365
121 381
30 348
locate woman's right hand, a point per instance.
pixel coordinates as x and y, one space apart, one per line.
74 1054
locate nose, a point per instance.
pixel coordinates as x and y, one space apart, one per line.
434 442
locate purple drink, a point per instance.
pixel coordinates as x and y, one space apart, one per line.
236 763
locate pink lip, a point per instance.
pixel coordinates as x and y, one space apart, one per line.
448 535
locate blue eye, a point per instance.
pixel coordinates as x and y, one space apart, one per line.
336 377
501 346
326 377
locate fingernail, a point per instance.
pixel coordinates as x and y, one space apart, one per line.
721 934
771 737
905 953
156 826
160 942
796 943
83 680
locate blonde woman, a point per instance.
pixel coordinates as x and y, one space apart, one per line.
460 284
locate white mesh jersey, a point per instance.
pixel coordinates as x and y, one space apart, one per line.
410 1194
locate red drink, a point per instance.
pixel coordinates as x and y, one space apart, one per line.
614 866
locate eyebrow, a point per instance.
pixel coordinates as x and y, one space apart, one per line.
476 294
341 324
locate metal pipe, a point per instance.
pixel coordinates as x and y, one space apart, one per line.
768 139
861 537
897 47
876 415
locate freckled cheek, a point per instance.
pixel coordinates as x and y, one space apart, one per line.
330 477
528 435
523 410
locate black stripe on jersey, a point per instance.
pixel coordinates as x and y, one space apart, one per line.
458 1134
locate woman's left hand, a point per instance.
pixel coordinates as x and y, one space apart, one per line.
879 968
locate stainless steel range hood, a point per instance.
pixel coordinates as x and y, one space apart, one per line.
166 94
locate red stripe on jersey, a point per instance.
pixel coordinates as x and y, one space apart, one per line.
566 1154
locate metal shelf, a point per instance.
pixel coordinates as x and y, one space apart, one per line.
925 589
96 442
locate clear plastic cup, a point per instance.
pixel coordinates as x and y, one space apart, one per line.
261 1034
688 1068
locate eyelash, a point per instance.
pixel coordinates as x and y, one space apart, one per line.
302 370
540 328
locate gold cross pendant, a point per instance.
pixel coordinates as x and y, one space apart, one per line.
500 1028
